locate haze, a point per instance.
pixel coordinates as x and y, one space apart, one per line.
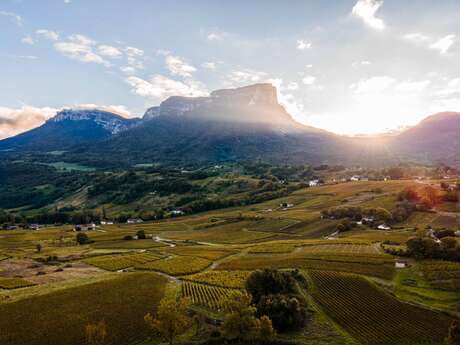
350 67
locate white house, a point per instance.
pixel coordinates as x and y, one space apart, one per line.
177 212
313 183
355 178
34 226
106 222
457 233
134 221
384 227
401 264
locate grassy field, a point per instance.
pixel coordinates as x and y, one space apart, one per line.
118 262
372 316
176 265
226 279
61 317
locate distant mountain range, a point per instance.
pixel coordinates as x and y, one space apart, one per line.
67 129
230 125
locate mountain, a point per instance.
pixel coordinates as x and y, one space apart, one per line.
229 125
435 139
68 128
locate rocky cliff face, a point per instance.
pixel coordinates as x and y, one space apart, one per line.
255 103
111 122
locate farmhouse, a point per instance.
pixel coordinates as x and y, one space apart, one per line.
313 183
355 178
85 227
401 264
106 222
34 226
134 221
177 212
384 227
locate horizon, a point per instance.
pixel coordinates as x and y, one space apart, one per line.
384 69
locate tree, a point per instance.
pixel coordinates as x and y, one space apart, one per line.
240 322
38 247
270 282
266 329
141 234
453 337
96 333
286 312
171 318
82 238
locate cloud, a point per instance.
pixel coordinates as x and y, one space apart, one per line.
366 10
116 109
412 86
109 51
216 35
80 48
209 65
134 56
160 87
443 44
177 66
28 40
132 51
373 85
244 76
286 99
67 1
356 64
292 86
15 121
302 45
416 37
13 16
309 80
450 89
48 34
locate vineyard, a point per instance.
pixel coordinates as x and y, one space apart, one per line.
372 265
372 316
177 265
13 283
118 262
204 295
226 279
442 274
204 252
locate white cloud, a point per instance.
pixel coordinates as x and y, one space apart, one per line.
412 86
132 51
15 17
292 86
67 1
450 89
179 67
128 69
116 109
28 40
309 80
309 66
366 10
48 34
109 51
373 84
160 87
288 100
209 65
443 44
302 45
216 35
80 48
416 37
244 76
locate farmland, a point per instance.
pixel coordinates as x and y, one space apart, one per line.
122 302
356 294
372 316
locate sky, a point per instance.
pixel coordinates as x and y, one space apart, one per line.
347 66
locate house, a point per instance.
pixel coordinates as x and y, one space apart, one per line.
355 178
134 221
367 220
106 222
384 227
457 233
313 183
401 264
177 212
85 227
285 205
34 226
